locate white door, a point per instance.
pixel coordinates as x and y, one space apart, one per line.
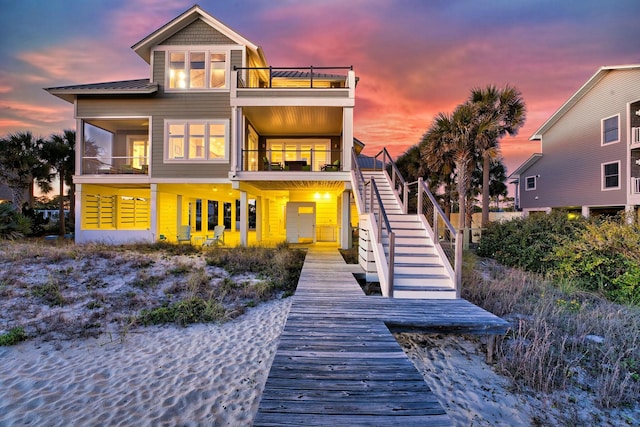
301 222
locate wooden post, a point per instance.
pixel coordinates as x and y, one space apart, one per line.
491 348
458 261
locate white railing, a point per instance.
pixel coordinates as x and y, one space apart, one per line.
635 135
635 185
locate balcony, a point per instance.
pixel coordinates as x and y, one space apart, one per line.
292 160
635 135
115 165
635 186
293 77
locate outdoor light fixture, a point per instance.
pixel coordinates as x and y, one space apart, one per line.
637 112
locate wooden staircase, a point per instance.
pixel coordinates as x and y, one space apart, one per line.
419 270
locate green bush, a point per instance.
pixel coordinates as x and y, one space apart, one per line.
600 255
13 225
14 336
603 257
528 242
192 310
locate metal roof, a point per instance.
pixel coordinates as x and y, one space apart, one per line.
125 87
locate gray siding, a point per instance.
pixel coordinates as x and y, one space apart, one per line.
198 32
166 106
570 169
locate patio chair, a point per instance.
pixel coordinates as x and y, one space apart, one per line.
332 167
184 234
271 166
218 236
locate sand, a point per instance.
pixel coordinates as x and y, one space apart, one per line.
201 375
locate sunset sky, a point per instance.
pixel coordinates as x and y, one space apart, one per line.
414 58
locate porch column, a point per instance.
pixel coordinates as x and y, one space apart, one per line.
630 214
586 212
258 218
345 221
244 220
347 137
78 213
153 213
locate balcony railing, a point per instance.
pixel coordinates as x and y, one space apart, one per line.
115 165
292 160
292 77
635 185
635 135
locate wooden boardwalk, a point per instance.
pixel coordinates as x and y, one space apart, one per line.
337 364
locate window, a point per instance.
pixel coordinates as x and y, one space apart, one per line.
611 176
197 140
530 183
197 70
610 130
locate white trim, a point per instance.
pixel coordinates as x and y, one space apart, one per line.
602 142
206 123
535 183
602 176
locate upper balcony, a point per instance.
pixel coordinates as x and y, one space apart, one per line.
114 147
321 86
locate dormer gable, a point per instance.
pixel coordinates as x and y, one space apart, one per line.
194 27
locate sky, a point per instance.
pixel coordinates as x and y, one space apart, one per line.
414 58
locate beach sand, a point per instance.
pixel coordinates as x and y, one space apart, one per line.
205 374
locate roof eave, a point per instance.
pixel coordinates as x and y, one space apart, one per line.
526 165
143 47
70 95
589 84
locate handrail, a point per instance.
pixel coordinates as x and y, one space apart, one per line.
310 71
445 236
380 220
367 204
397 181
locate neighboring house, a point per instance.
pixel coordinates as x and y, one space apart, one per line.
214 135
590 160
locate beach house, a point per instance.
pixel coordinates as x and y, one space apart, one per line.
590 150
216 138
214 135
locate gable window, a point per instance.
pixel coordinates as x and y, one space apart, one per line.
530 183
197 70
611 176
196 140
610 130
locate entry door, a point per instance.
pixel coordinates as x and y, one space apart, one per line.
301 222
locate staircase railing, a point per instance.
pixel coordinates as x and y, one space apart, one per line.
371 202
447 240
385 161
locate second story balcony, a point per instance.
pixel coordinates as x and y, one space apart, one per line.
114 147
301 159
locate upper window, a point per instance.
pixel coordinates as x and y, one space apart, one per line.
197 70
530 183
196 140
611 176
610 130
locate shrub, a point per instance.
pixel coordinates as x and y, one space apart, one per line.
191 310
527 242
13 225
14 336
603 257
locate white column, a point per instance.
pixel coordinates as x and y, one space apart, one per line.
153 207
347 137
78 213
345 221
630 214
586 212
244 219
259 218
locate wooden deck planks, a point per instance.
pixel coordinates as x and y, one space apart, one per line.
338 364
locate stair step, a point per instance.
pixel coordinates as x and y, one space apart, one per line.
418 270
422 280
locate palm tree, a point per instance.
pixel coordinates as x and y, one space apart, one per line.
503 112
451 137
58 153
21 164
